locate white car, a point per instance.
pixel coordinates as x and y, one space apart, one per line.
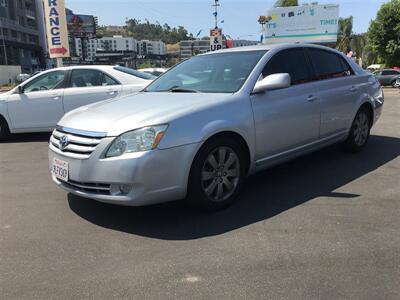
154 71
37 104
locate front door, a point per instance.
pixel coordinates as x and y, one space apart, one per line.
88 86
287 118
40 106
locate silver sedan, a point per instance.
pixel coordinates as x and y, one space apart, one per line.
201 128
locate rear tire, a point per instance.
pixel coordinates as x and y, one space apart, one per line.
217 174
359 132
4 130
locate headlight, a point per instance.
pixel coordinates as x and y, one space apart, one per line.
143 139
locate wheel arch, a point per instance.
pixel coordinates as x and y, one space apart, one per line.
231 134
368 106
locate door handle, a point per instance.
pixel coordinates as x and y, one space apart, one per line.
55 96
111 92
312 98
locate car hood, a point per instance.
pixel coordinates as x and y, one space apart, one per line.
119 115
4 95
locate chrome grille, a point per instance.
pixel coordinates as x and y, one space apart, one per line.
93 188
78 146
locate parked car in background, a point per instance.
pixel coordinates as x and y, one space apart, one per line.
397 83
39 103
387 77
22 77
154 71
202 127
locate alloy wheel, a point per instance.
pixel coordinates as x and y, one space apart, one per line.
361 128
220 174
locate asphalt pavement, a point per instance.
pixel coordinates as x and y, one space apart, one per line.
324 226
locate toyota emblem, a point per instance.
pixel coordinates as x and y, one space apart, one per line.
64 142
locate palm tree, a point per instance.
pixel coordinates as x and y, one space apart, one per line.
345 32
285 3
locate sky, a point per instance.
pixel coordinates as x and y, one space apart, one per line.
240 16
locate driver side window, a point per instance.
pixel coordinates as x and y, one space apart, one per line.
291 61
50 81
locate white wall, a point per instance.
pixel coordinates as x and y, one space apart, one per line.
8 73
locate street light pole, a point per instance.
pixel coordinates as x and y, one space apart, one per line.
216 5
4 45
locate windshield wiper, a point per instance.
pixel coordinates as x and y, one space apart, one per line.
181 90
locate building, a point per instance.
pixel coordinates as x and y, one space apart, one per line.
188 48
20 23
152 47
87 48
243 43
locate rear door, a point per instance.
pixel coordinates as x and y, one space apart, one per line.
338 90
87 86
40 106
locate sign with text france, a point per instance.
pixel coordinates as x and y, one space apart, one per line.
56 25
308 23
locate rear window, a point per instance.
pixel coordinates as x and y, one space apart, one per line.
328 65
135 73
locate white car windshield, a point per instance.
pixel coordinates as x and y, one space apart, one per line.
217 73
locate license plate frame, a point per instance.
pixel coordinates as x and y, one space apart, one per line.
60 169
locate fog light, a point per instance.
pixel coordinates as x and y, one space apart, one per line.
120 189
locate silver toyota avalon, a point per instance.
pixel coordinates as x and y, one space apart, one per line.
202 127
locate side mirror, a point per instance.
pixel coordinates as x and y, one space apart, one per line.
20 89
272 82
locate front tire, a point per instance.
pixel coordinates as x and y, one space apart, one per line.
359 132
4 130
217 174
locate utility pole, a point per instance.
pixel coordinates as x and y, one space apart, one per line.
4 41
216 5
4 45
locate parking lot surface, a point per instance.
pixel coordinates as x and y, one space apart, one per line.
325 226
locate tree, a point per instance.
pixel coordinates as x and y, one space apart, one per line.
285 3
384 33
345 31
148 31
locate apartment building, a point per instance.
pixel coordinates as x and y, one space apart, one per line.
20 24
152 48
88 48
188 48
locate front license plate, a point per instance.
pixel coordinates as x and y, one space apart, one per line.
60 169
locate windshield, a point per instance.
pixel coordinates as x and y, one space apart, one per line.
135 73
217 73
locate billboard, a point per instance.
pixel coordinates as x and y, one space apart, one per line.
83 26
56 27
308 23
215 39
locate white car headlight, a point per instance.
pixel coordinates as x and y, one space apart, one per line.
143 139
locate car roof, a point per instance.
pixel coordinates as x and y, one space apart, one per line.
104 67
270 47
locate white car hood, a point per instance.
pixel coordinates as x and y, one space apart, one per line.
117 116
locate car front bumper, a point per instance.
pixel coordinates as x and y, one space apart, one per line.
153 176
